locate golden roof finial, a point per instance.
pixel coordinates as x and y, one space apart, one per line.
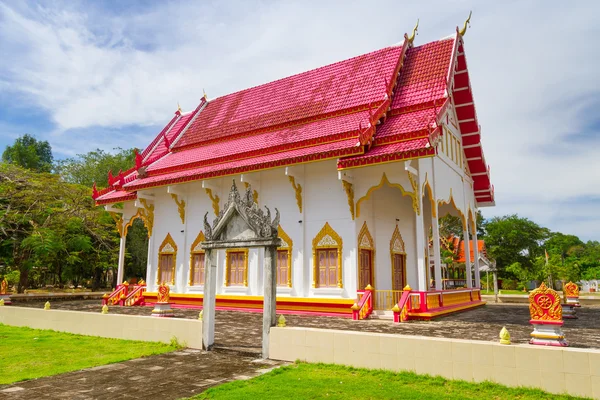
179 107
414 32
204 96
468 21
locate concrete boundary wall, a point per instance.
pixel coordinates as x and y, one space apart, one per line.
116 326
556 370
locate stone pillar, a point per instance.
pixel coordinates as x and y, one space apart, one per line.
121 270
469 273
270 297
476 256
437 256
209 301
422 283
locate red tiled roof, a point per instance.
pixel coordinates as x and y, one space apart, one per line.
158 147
314 153
460 257
424 75
357 82
115 196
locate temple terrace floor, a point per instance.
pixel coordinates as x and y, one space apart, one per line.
241 331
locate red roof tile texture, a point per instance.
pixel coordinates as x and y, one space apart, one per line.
423 77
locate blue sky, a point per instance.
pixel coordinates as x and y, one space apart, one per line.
86 75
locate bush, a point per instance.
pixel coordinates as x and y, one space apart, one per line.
509 284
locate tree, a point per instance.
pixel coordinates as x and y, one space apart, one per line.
453 226
48 227
30 153
512 239
85 169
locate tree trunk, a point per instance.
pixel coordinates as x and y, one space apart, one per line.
23 279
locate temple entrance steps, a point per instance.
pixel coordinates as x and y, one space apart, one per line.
126 295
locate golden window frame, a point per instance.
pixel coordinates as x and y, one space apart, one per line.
364 233
199 239
227 252
161 251
397 237
288 245
317 244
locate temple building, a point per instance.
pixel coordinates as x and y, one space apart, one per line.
360 157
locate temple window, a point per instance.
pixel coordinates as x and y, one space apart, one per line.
167 257
236 263
398 258
327 258
366 250
284 259
197 261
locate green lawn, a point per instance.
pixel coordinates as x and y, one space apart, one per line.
32 353
312 381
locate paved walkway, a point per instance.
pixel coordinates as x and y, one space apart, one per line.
174 375
242 330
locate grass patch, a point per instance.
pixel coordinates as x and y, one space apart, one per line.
32 353
317 381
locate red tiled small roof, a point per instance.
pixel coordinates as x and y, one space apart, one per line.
459 246
115 196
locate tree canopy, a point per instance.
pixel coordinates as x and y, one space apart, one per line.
85 169
30 153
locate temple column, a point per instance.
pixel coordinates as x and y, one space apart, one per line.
270 297
469 274
209 301
420 246
437 256
476 255
121 269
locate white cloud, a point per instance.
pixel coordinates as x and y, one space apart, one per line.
533 68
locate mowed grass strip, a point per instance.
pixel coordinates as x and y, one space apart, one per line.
33 353
319 381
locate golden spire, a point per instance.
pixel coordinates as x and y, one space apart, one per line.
414 32
204 96
468 21
179 107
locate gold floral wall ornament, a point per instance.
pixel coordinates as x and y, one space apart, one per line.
167 247
544 304
254 192
349 189
118 218
327 238
415 196
298 190
286 244
180 207
148 215
215 200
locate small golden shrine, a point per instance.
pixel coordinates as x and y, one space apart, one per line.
546 317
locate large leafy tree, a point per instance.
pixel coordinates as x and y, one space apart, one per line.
85 169
52 229
30 153
512 239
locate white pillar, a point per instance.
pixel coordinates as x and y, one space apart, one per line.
209 301
469 274
121 270
422 283
151 284
270 297
437 256
476 255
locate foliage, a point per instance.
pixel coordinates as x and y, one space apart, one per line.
52 229
33 353
453 226
316 381
85 169
30 153
513 239
136 259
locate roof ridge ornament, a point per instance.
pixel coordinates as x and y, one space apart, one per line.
467 22
179 108
204 96
414 33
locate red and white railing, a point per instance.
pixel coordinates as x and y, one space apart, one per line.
364 307
416 302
